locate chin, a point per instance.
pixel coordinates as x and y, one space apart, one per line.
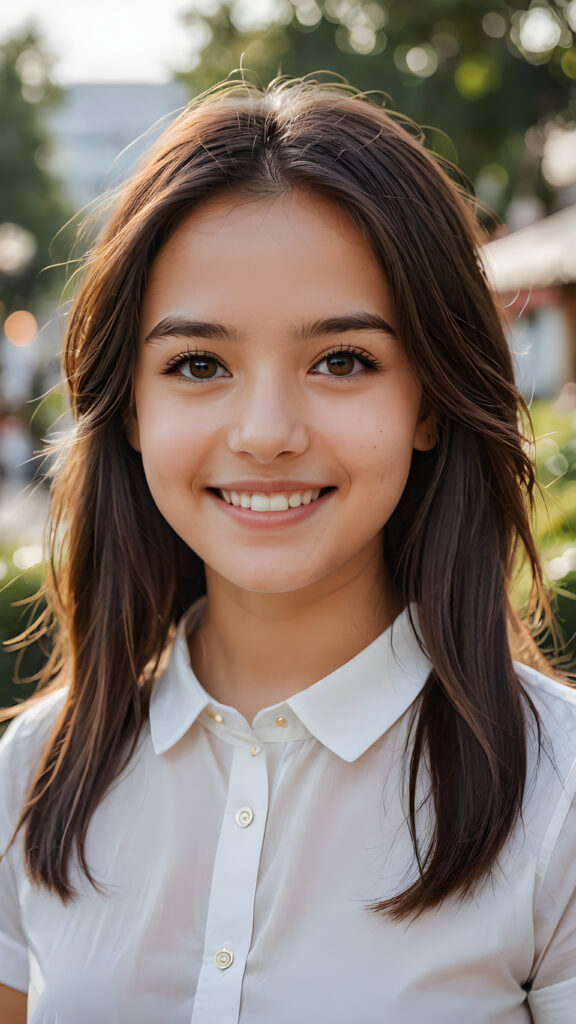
269 580
272 585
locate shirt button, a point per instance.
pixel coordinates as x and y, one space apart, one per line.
281 722
214 714
244 817
224 957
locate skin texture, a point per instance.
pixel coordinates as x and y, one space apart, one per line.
272 410
12 1006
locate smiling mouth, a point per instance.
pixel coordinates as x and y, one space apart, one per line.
281 501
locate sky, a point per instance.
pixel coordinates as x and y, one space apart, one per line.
109 40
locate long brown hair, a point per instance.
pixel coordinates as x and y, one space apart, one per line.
119 578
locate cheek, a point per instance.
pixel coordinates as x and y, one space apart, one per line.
172 441
375 437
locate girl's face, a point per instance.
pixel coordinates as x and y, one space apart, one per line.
275 409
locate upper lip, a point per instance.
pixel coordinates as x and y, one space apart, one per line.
269 486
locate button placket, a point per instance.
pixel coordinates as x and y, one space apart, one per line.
231 905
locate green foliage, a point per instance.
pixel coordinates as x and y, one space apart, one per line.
16 586
460 66
30 196
555 518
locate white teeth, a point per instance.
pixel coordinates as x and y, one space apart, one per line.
278 503
260 503
270 502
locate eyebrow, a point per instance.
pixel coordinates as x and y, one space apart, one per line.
182 327
360 321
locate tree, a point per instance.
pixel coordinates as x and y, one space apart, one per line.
33 205
483 72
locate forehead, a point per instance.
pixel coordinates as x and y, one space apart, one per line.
289 220
250 256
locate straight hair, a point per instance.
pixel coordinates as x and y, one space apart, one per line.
119 578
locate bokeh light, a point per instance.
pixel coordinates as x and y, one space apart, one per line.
378 16
27 557
568 62
308 13
17 248
539 30
33 73
494 24
563 564
422 61
477 76
559 156
20 328
362 38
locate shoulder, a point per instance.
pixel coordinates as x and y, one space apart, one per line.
550 796
21 748
555 704
34 724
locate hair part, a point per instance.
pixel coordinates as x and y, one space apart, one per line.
119 578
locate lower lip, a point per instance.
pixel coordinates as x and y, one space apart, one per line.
271 520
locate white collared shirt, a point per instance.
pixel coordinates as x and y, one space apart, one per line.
239 862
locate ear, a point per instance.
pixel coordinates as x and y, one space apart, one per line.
426 433
132 430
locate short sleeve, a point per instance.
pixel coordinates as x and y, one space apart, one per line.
13 947
552 998
21 747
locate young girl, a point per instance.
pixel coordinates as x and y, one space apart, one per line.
283 767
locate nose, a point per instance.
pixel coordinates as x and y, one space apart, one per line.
269 421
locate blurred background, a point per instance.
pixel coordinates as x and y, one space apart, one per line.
85 88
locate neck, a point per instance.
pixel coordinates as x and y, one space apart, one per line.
253 650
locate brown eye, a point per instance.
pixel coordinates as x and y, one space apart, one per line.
345 363
341 363
196 367
202 367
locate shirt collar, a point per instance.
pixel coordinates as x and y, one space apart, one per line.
354 706
346 711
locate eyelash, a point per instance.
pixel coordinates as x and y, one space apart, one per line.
370 363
